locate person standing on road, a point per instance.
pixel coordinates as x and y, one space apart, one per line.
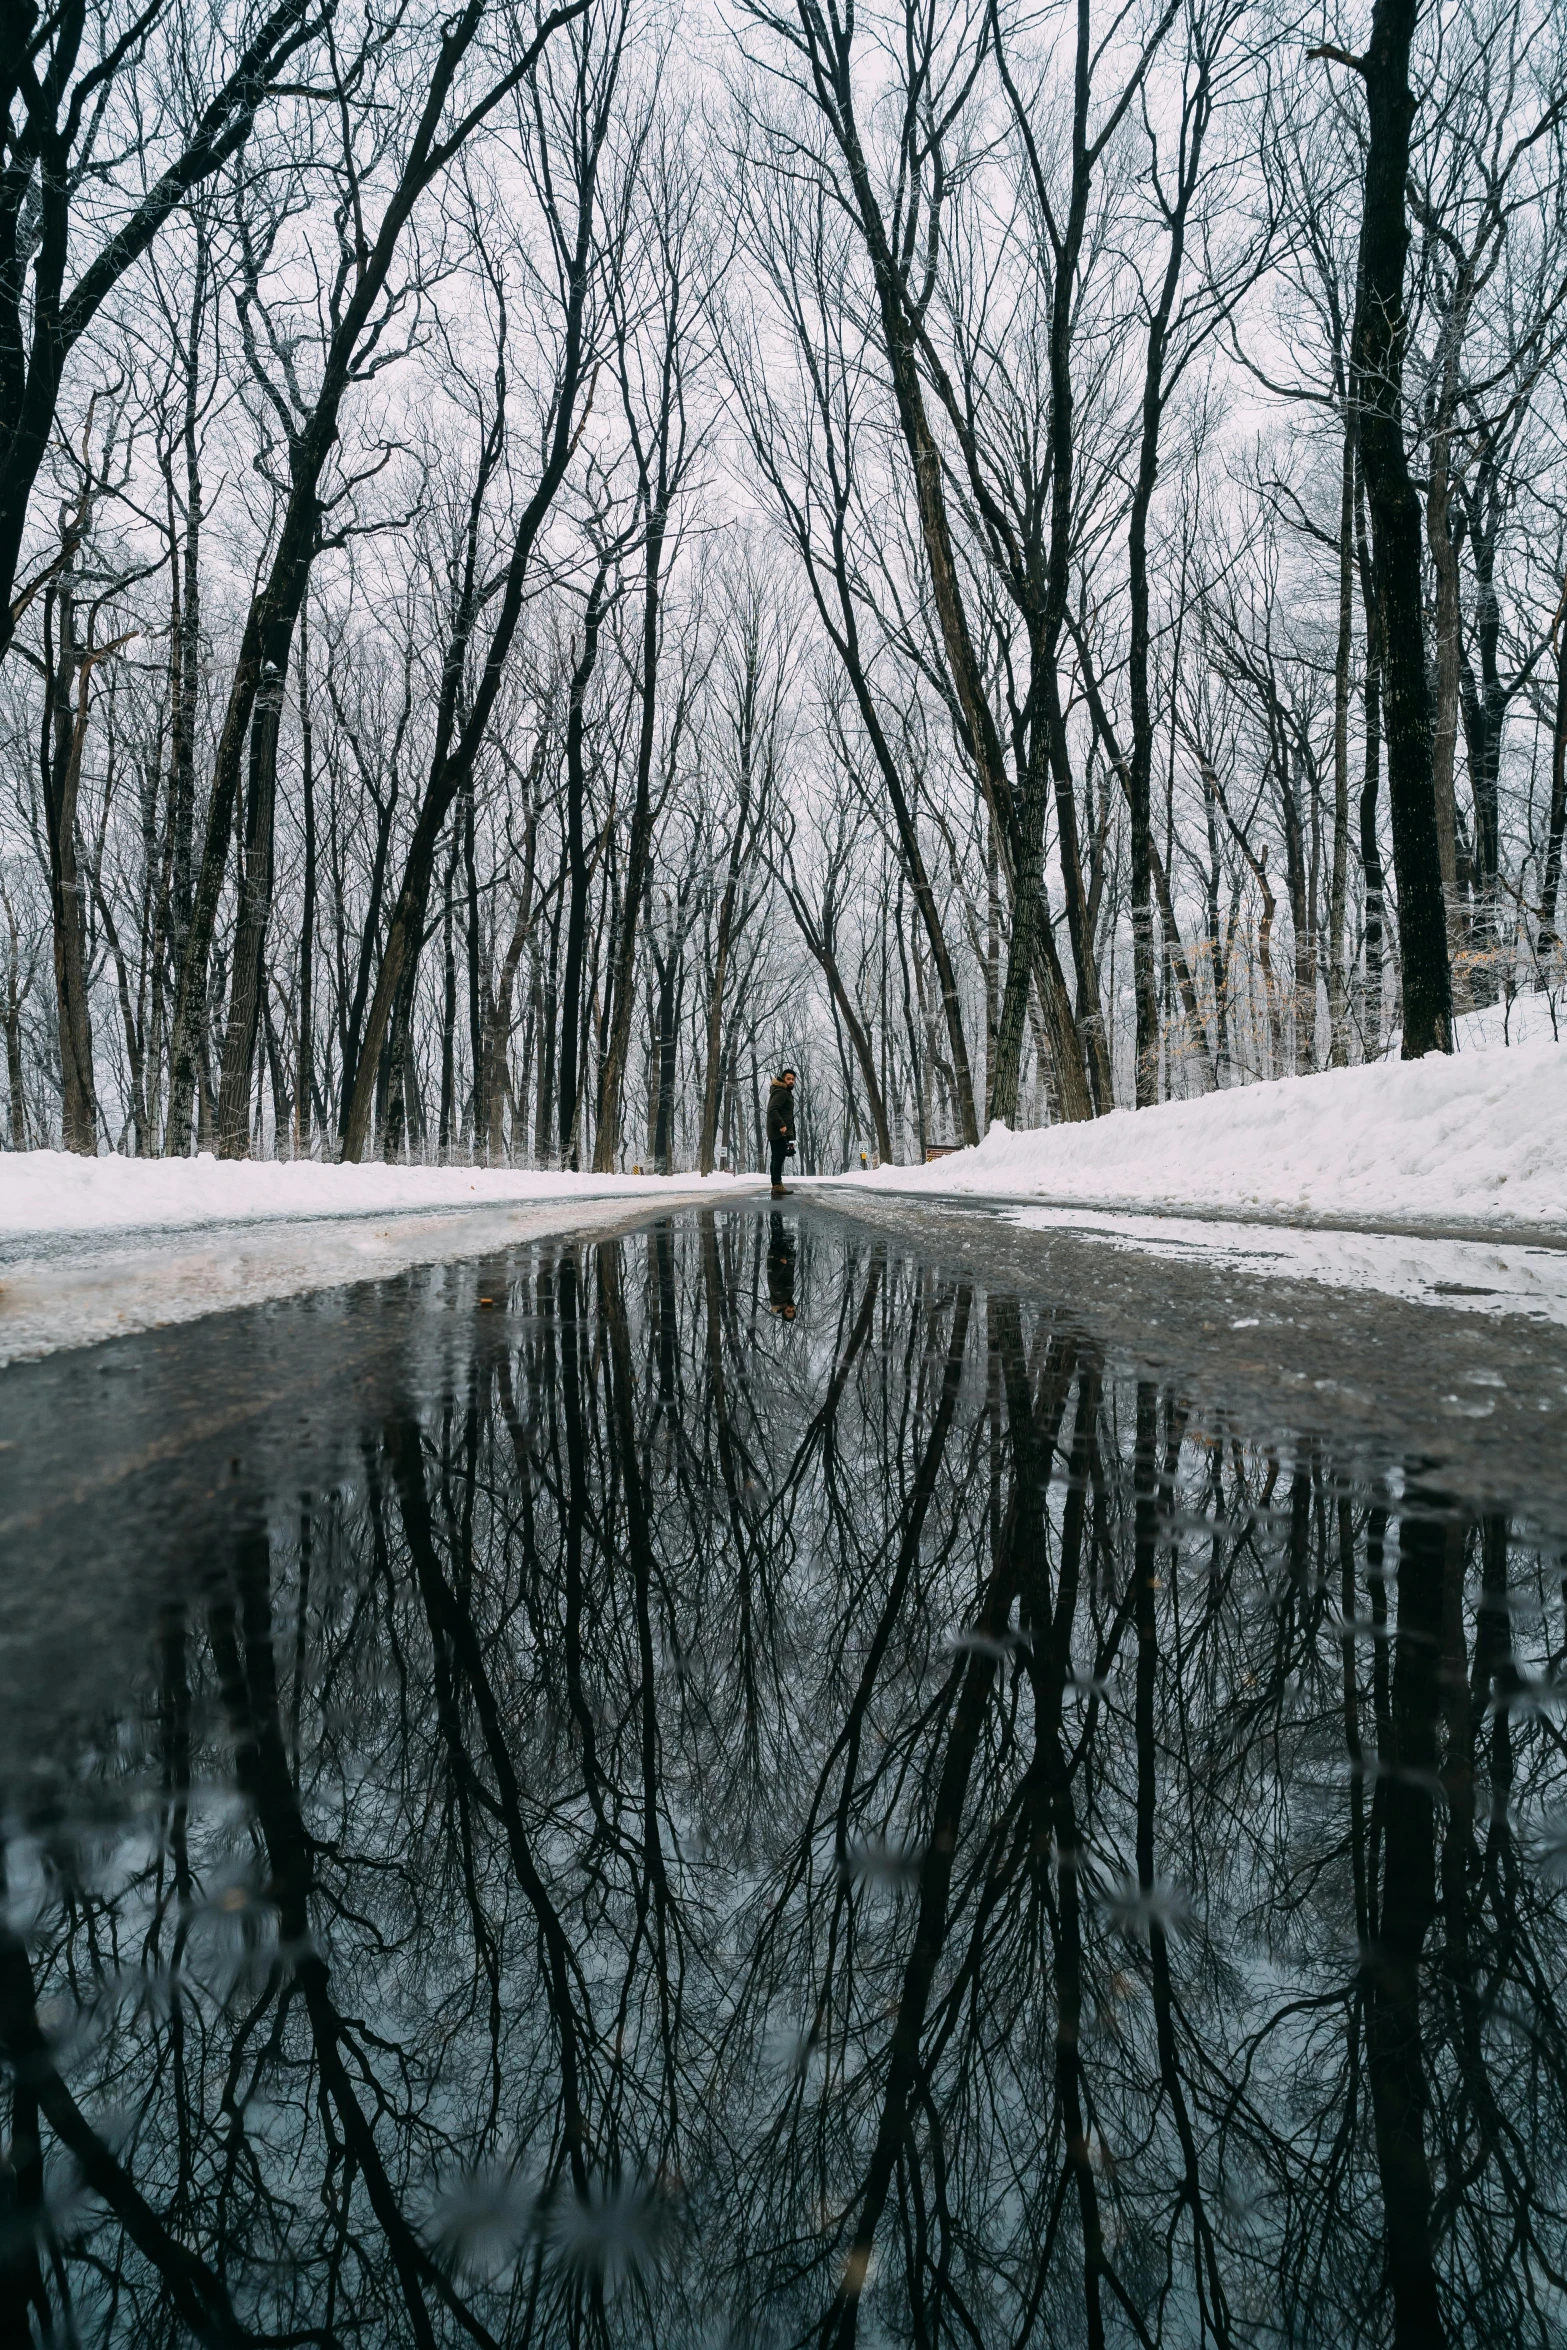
780 1126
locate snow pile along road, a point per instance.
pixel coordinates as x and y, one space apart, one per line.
1478 1139
97 1248
54 1191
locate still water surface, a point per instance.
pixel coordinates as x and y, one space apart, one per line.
733 1786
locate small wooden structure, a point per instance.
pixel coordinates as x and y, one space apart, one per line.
940 1150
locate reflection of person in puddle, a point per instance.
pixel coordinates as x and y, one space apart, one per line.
780 1269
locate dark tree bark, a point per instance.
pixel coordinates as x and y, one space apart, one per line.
753 742
1338 1031
1376 389
570 1081
1483 701
549 993
304 1082
257 873
1051 596
478 1122
1550 883
68 685
669 968
352 1011
16 994
498 1023
449 1003
1370 788
639 850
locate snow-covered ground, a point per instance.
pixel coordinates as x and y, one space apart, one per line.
1475 1141
53 1191
97 1248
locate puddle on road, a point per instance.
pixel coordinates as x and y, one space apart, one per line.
733 1786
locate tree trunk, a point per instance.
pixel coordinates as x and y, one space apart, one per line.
1444 733
255 914
1032 958
669 971
1370 786
259 675
497 1038
548 1015
712 1074
1191 1010
187 644
1550 884
1338 888
67 702
448 1003
477 1121
304 1082
569 1087
1484 705
1304 992
1139 769
353 1026
639 857
1377 390
15 996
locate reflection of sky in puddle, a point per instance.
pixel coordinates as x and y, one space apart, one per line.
670 1827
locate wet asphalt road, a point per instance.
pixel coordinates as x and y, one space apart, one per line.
190 1428
1479 1397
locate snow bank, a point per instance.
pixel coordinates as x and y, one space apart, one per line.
54 1191
95 1249
1479 1138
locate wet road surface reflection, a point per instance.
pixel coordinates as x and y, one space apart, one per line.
729 1786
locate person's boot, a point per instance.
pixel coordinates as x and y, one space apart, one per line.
779 1192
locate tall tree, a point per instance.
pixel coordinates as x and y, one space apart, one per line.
1377 352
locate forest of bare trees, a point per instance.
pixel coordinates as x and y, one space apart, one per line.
1014 557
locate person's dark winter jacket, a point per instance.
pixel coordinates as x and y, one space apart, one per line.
780 1126
780 1112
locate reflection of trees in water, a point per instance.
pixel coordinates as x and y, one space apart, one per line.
749 1833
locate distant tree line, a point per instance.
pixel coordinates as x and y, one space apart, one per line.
1015 559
